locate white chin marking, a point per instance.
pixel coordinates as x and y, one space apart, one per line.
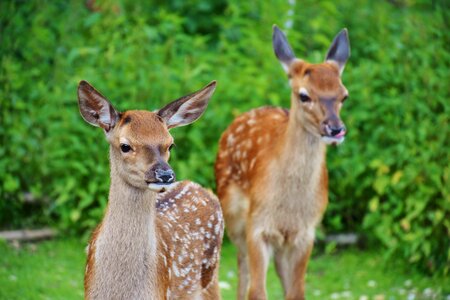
332 141
160 188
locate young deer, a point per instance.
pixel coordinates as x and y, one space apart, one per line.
271 173
159 239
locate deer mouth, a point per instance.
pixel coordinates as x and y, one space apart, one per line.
334 140
160 187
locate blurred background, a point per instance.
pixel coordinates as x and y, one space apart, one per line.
389 182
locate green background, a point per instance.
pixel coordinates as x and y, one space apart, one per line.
389 181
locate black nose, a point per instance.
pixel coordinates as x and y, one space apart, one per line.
336 131
165 176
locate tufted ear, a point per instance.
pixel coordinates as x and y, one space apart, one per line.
282 49
339 51
95 108
187 109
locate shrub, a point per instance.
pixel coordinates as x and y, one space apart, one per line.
389 180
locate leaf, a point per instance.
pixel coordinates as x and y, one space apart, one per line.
373 204
396 177
380 184
75 215
405 224
11 184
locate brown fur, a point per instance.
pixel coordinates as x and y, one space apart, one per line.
272 180
174 217
151 245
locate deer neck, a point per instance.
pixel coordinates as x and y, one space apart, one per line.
303 153
133 206
130 210
126 247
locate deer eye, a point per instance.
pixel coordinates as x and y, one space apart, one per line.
304 98
125 148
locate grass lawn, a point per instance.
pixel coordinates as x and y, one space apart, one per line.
54 270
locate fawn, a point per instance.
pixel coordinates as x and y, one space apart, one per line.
159 239
271 172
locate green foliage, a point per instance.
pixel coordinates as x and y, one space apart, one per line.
388 181
394 169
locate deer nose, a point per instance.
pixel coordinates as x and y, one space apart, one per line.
164 176
335 131
338 131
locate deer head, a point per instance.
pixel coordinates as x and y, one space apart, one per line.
140 141
317 89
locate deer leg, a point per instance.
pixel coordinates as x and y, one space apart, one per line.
243 274
258 259
212 292
298 260
282 268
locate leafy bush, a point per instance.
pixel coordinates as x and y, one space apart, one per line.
388 181
395 166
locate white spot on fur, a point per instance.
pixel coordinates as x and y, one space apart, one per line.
303 91
175 269
217 228
164 259
230 140
276 116
239 128
252 163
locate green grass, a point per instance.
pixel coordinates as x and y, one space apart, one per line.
54 270
49 270
349 274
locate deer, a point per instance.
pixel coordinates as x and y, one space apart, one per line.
271 173
159 238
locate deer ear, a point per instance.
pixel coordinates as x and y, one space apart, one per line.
282 49
339 51
95 108
187 109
